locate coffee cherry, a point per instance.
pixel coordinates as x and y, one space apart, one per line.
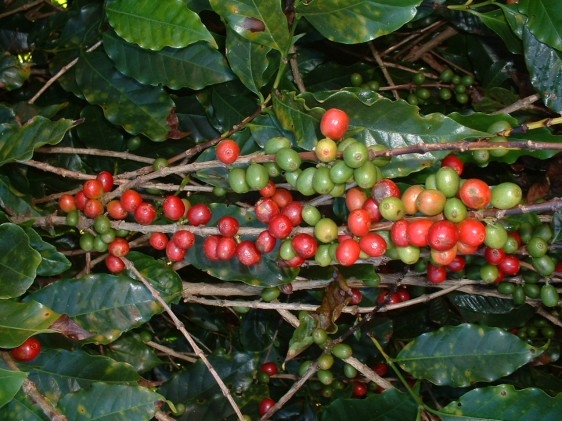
265 243
373 244
270 293
93 208
269 189
265 209
130 199
489 273
506 195
228 226
455 210
93 189
348 252
67 203
471 232
475 193
367 175
399 233
270 368
288 159
160 163
210 245
436 274
118 247
549 295
247 253
145 213
256 176
409 198
359 389
27 351
228 151
293 210
340 172
342 351
305 245
355 155
226 248
158 240
359 222
280 226
392 208
184 239
334 123
442 235
116 210
173 207
326 230
385 188
326 150
409 254
237 180
356 297
199 214
265 405
496 236
114 264
325 361
106 180
447 181
321 181
430 202
454 162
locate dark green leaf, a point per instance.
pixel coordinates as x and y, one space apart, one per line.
13 73
545 67
53 262
10 383
103 304
18 261
57 372
22 408
544 21
302 336
19 142
132 350
155 25
195 66
162 277
253 63
496 21
97 132
111 402
464 354
258 21
199 391
371 18
391 405
125 102
503 402
19 321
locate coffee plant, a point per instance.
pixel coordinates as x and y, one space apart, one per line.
292 210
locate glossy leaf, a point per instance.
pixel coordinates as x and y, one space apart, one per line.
10 383
19 142
465 354
253 63
132 350
388 406
111 402
125 102
155 25
261 22
13 73
22 408
114 304
544 21
19 321
18 261
17 201
302 336
53 262
545 67
199 391
372 18
57 372
504 402
97 132
496 21
195 66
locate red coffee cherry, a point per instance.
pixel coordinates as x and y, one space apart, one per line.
184 239
305 245
130 199
158 240
226 248
118 247
228 151
228 226
27 351
116 210
67 203
280 226
114 264
248 253
106 180
145 213
173 208
199 214
334 123
93 208
210 247
174 253
93 189
265 242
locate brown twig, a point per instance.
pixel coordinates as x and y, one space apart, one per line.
384 71
180 326
418 52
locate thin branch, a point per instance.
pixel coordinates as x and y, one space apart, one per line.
22 8
96 152
170 352
382 66
293 62
520 104
418 52
180 326
61 72
31 390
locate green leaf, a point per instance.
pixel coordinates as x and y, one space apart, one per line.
13 73
18 261
465 354
19 142
132 350
125 102
19 321
53 262
258 21
302 337
111 402
195 66
106 305
199 390
97 132
371 18
10 383
503 402
155 25
544 21
390 405
545 67
251 62
57 372
17 202
22 408
497 22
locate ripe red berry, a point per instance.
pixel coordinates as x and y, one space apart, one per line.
106 180
130 199
334 123
226 248
381 369
373 244
28 350
280 226
116 210
399 233
173 208
184 239
305 245
475 193
93 189
359 389
248 253
265 405
145 213
265 209
458 264
417 232
174 253
494 256
356 297
228 226
442 235
210 247
385 188
228 151
359 222
67 203
93 208
403 294
114 264
471 232
454 162
269 189
282 197
373 208
118 247
269 368
199 214
347 252
158 240
436 274
265 242
510 265
294 211
80 200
